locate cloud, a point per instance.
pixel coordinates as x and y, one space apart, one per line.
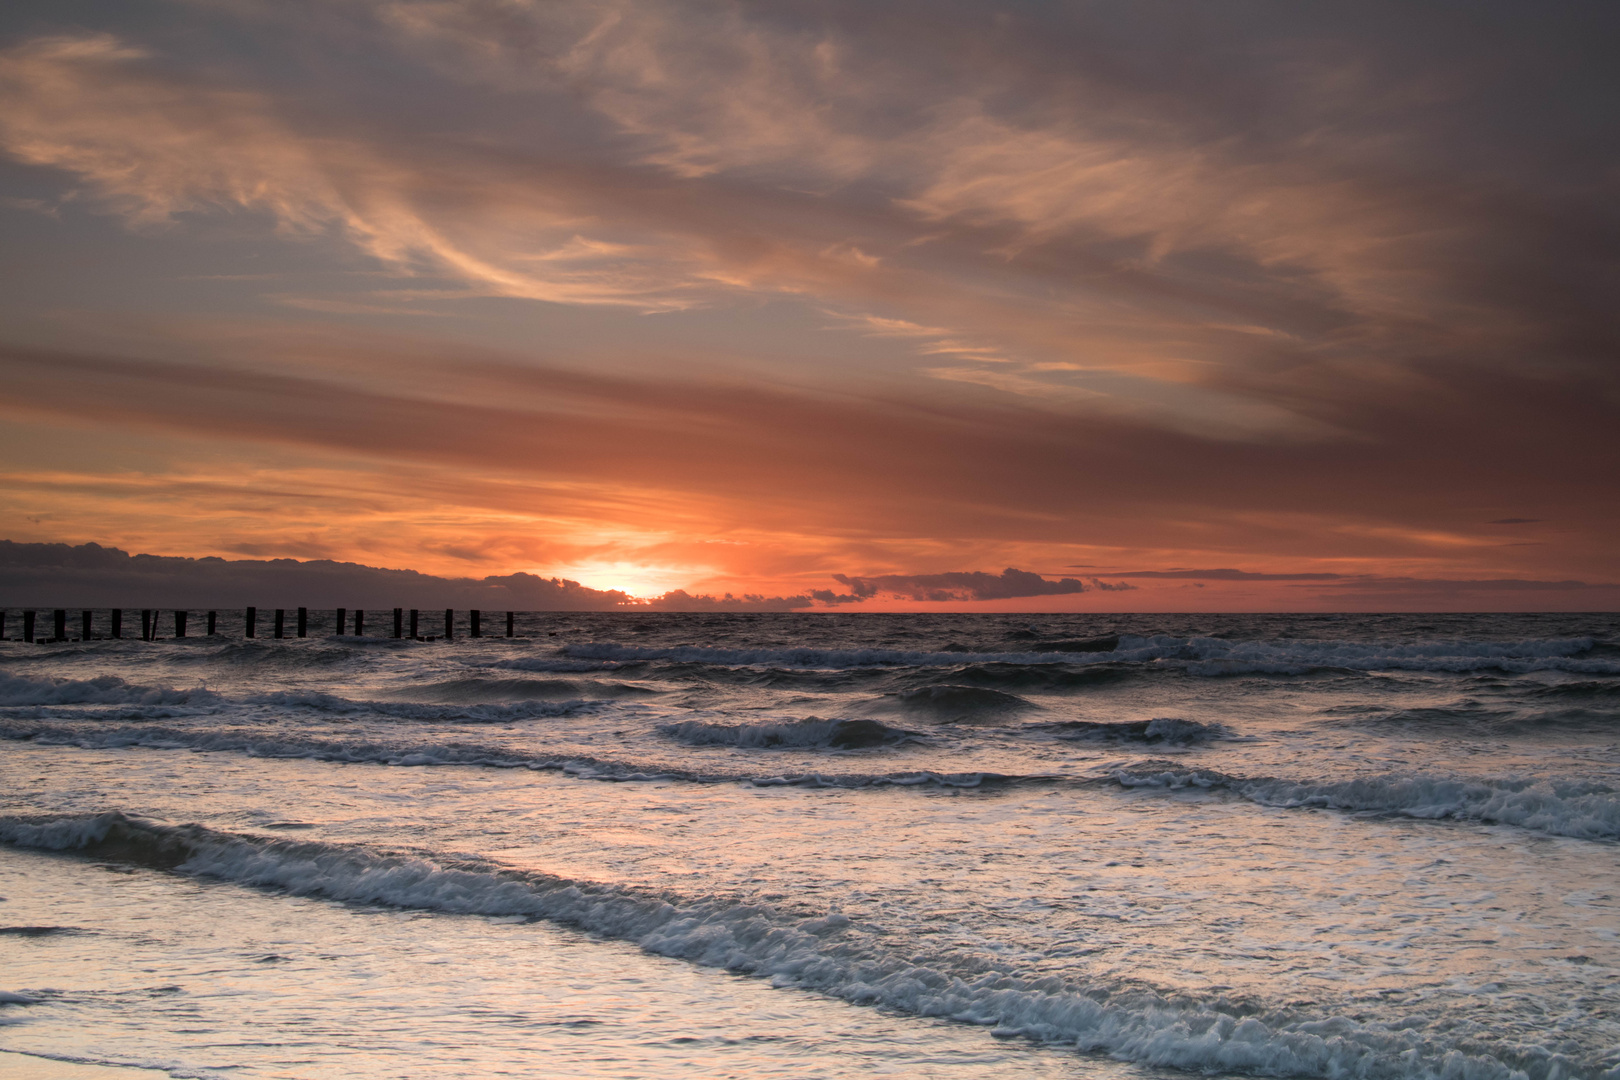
1224 575
1128 285
1010 584
89 575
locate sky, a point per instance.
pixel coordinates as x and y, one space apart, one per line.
1005 306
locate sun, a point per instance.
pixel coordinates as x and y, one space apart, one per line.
637 579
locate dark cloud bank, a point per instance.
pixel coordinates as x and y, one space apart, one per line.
89 575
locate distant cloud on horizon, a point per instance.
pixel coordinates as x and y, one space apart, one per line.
90 575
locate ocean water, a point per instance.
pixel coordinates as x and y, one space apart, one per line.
822 845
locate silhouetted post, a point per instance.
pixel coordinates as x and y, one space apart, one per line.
180 624
146 624
60 622
399 622
281 622
449 623
28 626
303 621
509 624
116 618
85 633
342 614
250 621
414 635
359 622
213 622
477 631
3 614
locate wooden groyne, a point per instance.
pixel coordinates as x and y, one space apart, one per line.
107 624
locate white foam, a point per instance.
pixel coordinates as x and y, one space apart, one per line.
827 953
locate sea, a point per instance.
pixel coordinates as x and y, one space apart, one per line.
640 844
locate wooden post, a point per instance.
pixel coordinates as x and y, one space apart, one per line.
84 634
509 624
249 620
414 635
146 624
281 622
28 626
449 623
213 622
60 622
342 614
359 622
3 614
180 624
477 631
399 622
117 620
303 621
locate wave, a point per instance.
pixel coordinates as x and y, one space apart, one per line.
1164 729
1207 656
960 704
1218 656
460 753
801 657
836 734
102 690
822 952
543 663
37 697
1583 810
468 691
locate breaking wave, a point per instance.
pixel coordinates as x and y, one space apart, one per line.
102 690
823 952
1583 810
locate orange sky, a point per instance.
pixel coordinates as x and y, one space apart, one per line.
661 296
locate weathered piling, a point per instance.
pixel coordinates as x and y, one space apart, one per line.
281 623
341 615
213 622
250 619
476 630
84 622
115 620
509 623
180 623
399 622
415 636
28 626
449 624
303 621
146 624
59 621
3 614
359 622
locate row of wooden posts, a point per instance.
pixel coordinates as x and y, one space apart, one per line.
250 619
